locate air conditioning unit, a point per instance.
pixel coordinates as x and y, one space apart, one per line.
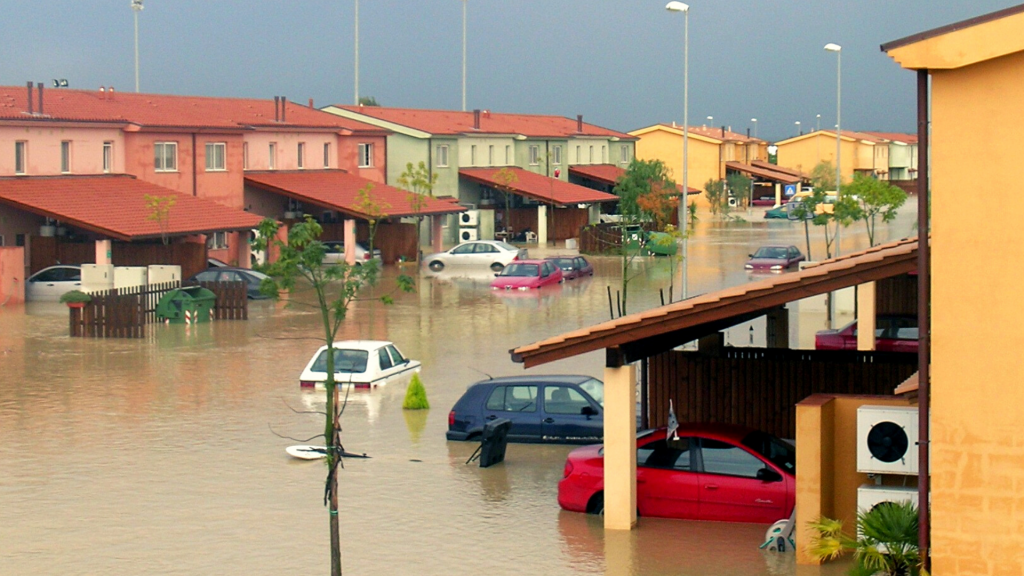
97 277
733 202
871 495
130 276
469 219
887 439
468 234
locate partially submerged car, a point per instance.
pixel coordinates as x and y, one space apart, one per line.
360 363
484 253
573 266
527 275
893 333
774 258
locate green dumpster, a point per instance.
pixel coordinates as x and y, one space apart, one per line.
188 305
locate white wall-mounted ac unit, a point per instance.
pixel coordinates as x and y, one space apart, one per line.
733 202
469 219
887 439
468 235
871 495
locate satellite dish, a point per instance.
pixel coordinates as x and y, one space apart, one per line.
63 82
887 442
56 83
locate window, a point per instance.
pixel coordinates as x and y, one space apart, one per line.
591 158
465 248
327 155
165 156
345 360
490 155
217 241
513 399
272 160
472 155
245 155
301 154
604 154
2 240
365 155
670 454
442 156
508 155
65 156
108 156
20 151
564 400
385 360
556 155
216 153
624 154
534 155
396 356
19 239
729 460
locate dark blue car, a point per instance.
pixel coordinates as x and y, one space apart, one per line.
562 409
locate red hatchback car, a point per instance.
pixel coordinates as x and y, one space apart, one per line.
712 472
892 334
526 275
573 266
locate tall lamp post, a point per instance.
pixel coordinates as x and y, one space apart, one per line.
136 8
464 2
682 210
839 108
754 120
799 132
356 82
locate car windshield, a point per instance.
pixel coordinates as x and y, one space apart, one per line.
595 388
776 451
771 252
521 270
345 361
563 263
506 246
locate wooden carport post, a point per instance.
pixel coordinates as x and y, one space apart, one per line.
619 442
866 316
350 242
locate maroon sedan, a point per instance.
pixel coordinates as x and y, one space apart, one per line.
573 266
774 258
892 334
526 275
711 472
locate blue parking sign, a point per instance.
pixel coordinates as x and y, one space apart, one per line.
790 189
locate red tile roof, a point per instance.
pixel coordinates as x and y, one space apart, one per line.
162 110
538 187
448 122
114 206
609 174
338 190
895 137
715 132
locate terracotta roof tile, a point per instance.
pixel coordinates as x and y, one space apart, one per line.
608 174
539 187
715 132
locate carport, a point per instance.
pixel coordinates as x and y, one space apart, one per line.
768 180
756 387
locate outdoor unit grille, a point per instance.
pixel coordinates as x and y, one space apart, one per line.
887 440
469 219
468 234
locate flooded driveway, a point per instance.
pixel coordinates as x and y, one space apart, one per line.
157 456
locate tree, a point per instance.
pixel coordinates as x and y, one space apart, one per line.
160 212
300 264
715 192
368 101
741 188
419 182
876 199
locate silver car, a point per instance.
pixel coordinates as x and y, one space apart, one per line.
49 284
336 252
492 253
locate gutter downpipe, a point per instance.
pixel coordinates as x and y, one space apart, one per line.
923 321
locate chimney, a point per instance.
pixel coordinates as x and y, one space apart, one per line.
723 130
30 111
748 132
39 88
277 110
476 119
579 123
310 102
284 101
673 123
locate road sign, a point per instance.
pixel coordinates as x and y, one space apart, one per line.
790 190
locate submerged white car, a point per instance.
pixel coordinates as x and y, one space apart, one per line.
360 363
483 253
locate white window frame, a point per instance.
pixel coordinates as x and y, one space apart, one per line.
108 156
366 155
441 160
272 156
556 155
211 154
508 155
65 156
160 162
472 155
217 241
300 153
534 155
590 160
245 155
20 156
327 154
604 154
490 155
624 154
579 155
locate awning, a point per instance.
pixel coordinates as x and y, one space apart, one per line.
115 206
538 187
777 168
653 331
338 190
763 173
608 174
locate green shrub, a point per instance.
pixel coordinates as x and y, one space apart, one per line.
75 296
416 395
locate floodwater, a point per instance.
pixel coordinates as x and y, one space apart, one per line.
159 455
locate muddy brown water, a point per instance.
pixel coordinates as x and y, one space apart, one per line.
157 456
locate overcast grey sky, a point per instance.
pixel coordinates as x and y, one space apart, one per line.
617 62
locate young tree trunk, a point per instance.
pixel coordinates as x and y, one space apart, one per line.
807 236
333 482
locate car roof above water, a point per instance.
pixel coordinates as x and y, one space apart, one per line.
538 379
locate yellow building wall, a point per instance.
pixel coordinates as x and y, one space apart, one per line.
668 147
805 154
977 315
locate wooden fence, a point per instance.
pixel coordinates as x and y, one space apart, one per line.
232 300
760 387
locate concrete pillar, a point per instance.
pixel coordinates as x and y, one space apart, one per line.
620 447
866 316
436 238
273 251
103 252
350 242
243 250
593 213
542 225
778 194
777 328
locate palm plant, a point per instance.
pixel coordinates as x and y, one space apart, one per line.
886 542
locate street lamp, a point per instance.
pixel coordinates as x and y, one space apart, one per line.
682 210
798 131
136 8
464 55
817 125
711 121
754 120
830 47
356 82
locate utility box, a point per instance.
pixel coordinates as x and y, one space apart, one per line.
130 276
162 273
97 277
190 305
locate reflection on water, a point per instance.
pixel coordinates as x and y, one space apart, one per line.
156 455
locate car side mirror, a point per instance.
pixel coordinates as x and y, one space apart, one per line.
768 475
588 411
496 274
750 255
